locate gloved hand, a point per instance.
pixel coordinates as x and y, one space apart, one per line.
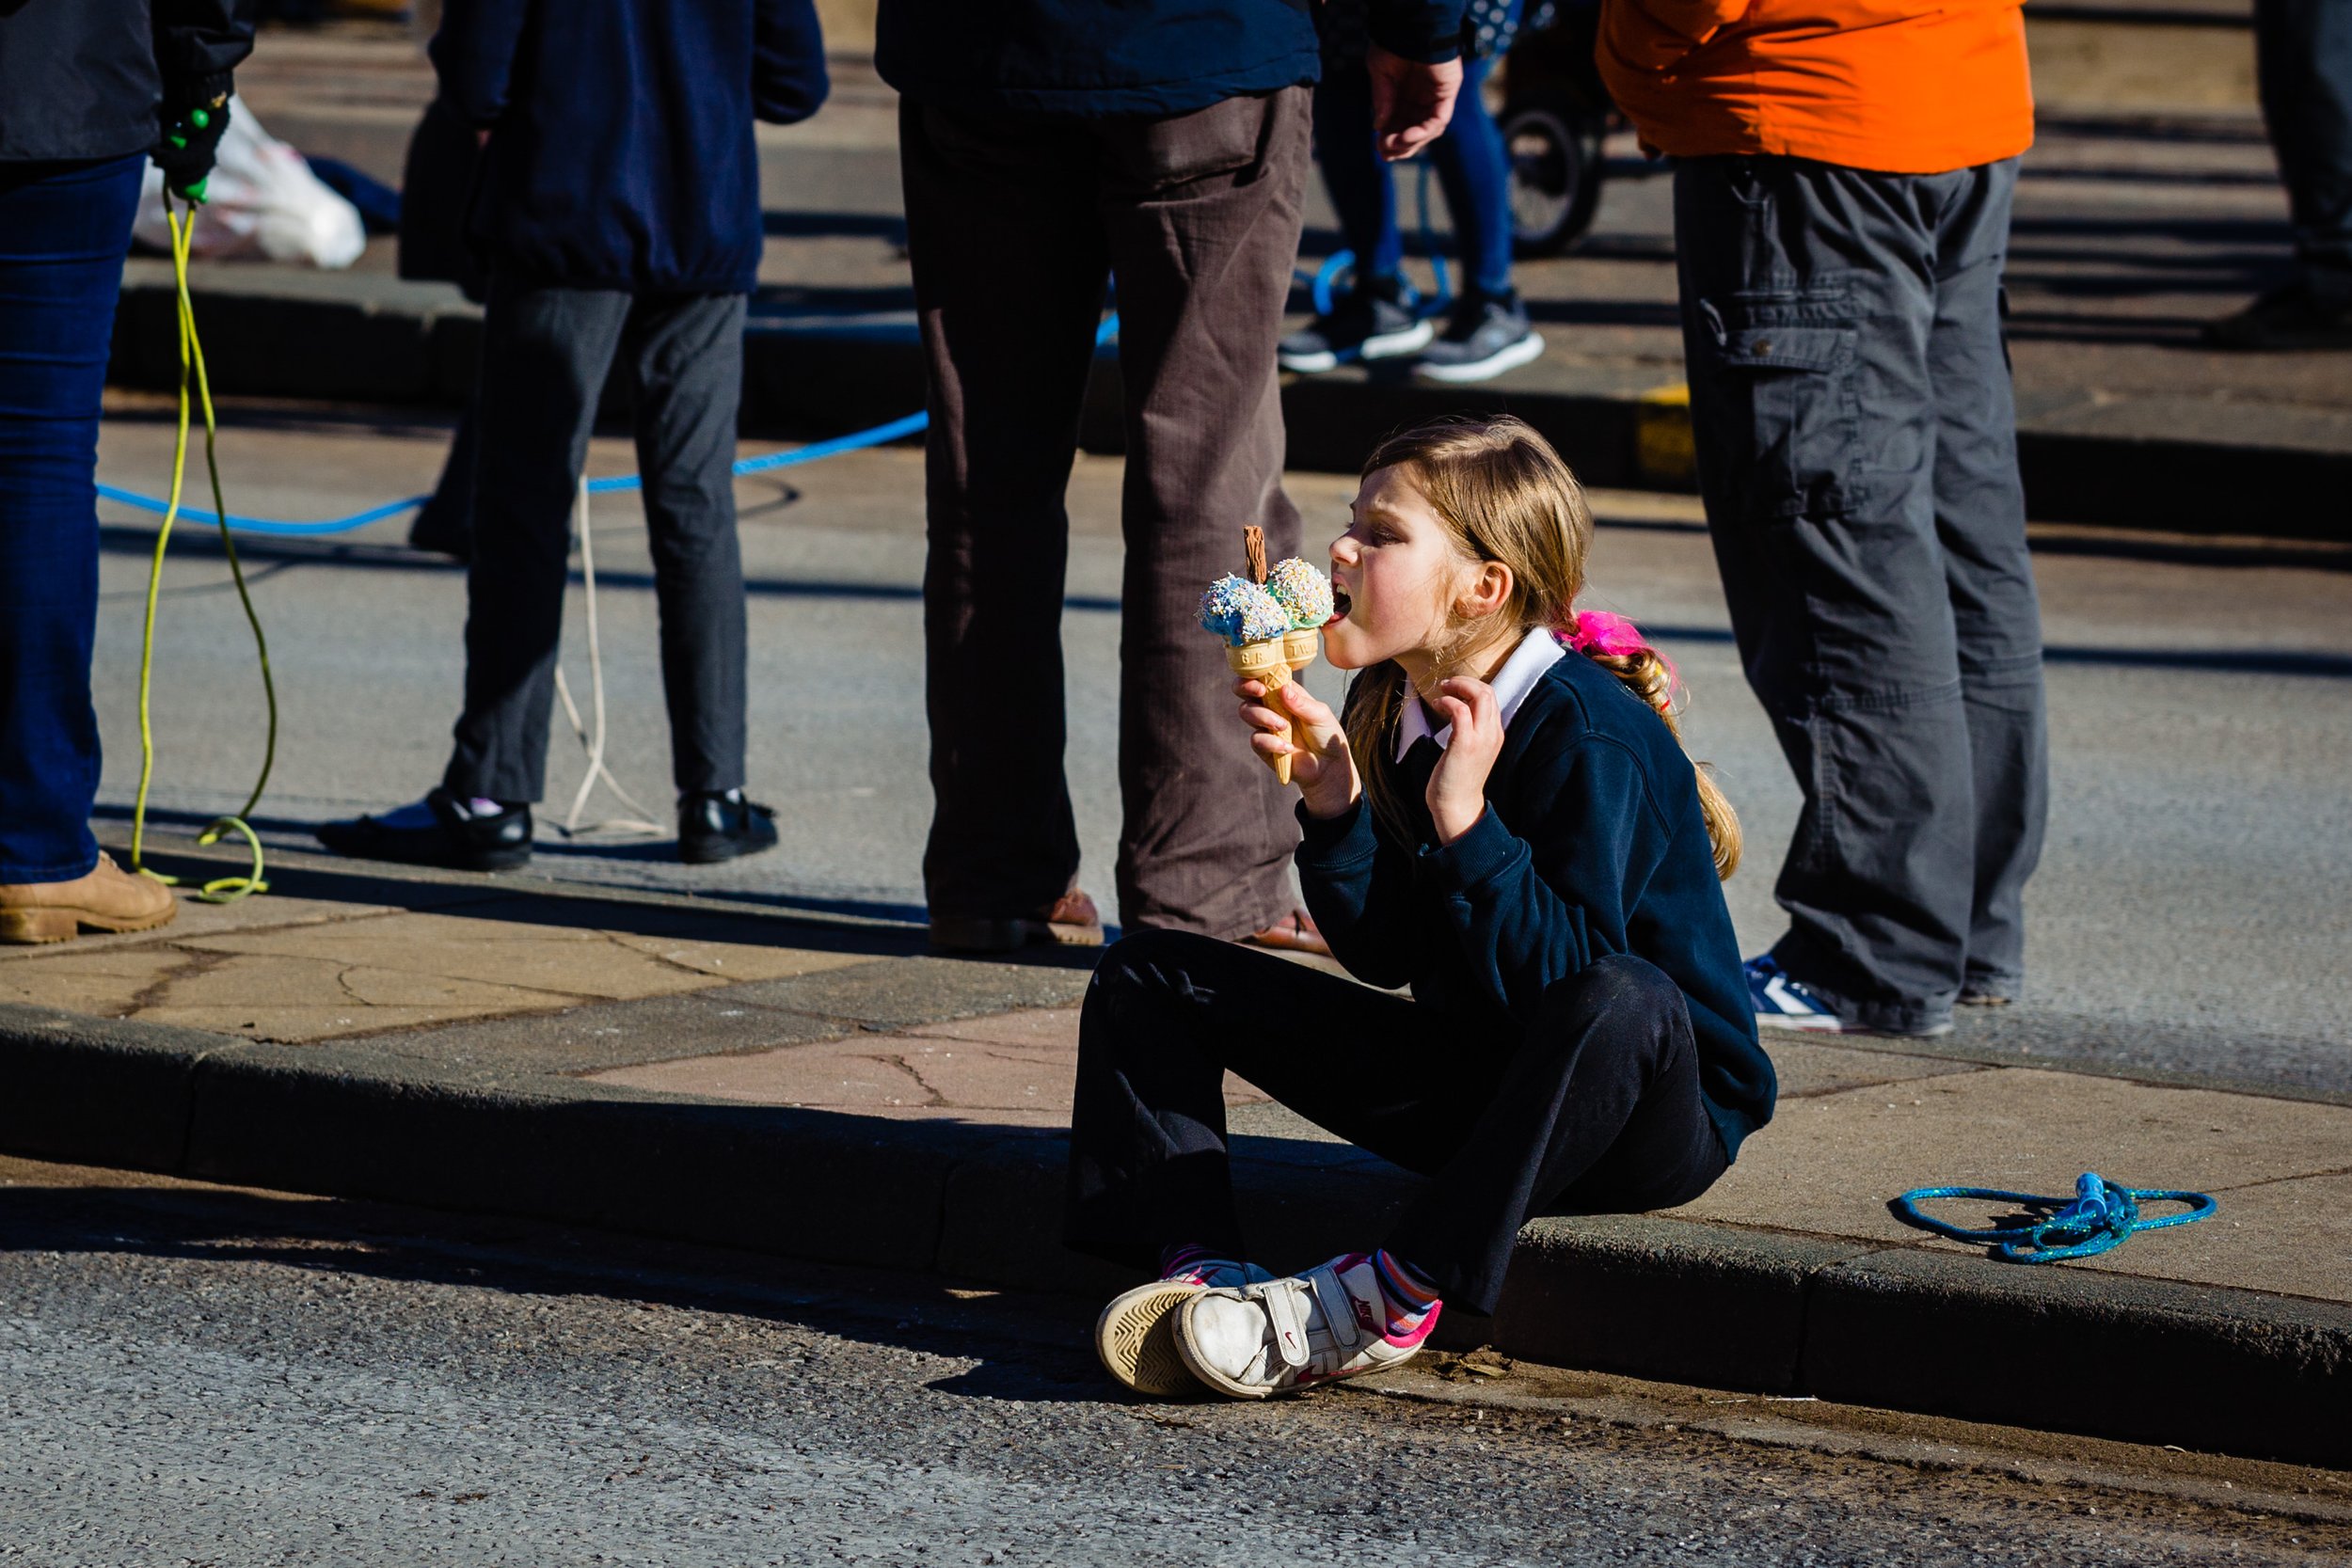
190 141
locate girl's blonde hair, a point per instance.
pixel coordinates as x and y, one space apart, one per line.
1503 495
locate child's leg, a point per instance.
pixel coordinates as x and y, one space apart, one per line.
1167 1015
1598 1111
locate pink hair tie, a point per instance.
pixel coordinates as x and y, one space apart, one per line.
1598 632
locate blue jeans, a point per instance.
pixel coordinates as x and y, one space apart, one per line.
1471 165
64 231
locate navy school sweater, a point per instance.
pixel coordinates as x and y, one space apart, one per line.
1592 843
621 151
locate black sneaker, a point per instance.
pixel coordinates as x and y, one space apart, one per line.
1487 335
1377 322
2292 316
714 826
440 829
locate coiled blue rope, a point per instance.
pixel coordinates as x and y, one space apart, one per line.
2100 1216
880 434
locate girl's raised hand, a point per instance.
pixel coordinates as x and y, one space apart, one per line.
1321 764
1457 789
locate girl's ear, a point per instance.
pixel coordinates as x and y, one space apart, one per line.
1486 588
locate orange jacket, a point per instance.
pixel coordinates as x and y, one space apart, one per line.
1907 87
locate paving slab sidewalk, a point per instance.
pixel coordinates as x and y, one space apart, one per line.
711 1071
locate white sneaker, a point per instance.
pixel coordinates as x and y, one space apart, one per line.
1135 1334
1285 1334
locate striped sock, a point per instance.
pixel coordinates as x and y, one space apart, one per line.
1406 1296
1179 1260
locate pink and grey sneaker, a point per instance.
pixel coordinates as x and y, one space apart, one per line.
1135 1334
1332 1322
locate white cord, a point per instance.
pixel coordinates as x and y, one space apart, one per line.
594 745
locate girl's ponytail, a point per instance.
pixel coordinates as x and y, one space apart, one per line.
1618 646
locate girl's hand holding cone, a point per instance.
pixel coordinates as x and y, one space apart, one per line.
1291 724
1269 621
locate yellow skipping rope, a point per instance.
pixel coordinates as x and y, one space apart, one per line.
220 889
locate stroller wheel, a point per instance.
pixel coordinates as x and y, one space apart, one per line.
1555 176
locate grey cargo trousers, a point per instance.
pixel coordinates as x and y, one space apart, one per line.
1851 401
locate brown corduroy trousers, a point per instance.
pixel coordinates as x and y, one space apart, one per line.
1014 226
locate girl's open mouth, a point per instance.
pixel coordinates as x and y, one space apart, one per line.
1338 603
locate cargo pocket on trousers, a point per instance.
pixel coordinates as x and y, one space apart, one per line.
1793 427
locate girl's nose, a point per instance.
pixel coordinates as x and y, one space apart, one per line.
1343 551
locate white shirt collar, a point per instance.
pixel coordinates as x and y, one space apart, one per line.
1537 652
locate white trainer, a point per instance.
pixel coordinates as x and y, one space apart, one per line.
1326 1323
1135 1334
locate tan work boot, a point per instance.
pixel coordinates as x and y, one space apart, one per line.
108 899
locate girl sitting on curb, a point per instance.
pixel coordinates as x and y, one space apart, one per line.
1504 821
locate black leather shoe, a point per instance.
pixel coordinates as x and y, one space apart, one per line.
454 838
713 826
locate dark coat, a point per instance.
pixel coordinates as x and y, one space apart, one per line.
1592 844
621 151
436 189
1102 57
81 79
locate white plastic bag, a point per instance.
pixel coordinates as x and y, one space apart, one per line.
262 202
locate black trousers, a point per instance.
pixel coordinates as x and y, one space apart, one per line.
1594 1110
1857 452
2303 66
545 354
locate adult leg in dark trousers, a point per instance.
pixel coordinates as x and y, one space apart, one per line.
545 356
1014 227
444 524
2303 66
1850 398
1594 1108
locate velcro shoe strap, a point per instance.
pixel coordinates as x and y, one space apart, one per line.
1285 1307
1340 1325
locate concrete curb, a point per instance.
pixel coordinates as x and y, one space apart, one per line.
376 340
2140 1360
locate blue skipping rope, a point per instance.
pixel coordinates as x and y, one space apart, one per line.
880 434
2099 1217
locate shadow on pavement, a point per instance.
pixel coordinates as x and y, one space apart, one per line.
796 921
407 1246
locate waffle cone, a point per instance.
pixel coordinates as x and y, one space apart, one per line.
1300 646
1266 662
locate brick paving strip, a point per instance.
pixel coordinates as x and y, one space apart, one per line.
818 1087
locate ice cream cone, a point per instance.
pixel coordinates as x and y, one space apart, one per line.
1267 662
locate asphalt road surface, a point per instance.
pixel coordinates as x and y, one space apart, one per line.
198 1376
2189 915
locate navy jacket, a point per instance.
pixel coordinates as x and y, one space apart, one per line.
1105 57
621 151
81 79
1592 844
